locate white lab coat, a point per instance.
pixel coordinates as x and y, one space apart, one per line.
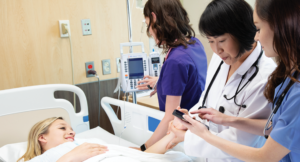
252 95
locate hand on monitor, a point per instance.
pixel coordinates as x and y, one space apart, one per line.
147 80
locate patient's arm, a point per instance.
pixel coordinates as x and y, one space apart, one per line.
160 147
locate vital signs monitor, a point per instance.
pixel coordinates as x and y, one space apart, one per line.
134 67
154 64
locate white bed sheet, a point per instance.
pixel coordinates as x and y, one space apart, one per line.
102 134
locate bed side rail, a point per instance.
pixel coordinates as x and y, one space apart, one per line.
137 122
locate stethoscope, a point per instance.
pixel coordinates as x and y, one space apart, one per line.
268 126
238 90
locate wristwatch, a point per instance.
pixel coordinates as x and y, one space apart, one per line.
143 147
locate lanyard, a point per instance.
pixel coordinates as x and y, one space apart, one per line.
167 55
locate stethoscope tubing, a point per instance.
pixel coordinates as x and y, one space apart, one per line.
237 90
279 101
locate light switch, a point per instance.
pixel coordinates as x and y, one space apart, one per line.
86 27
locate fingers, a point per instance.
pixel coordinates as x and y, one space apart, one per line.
171 144
173 128
142 87
100 149
143 81
153 93
207 117
189 119
95 153
103 147
93 146
203 111
170 124
187 125
147 76
182 110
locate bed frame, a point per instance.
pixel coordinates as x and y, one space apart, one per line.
21 108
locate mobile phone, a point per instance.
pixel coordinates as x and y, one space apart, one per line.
179 115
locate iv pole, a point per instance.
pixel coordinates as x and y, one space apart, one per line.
130 47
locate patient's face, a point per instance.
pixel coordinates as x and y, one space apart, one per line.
59 132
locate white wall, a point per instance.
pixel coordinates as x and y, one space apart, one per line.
251 2
195 9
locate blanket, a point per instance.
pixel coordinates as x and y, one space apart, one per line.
115 153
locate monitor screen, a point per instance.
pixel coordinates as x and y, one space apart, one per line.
155 60
136 68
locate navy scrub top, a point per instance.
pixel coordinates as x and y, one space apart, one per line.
183 74
286 122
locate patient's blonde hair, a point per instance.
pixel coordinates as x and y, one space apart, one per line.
33 145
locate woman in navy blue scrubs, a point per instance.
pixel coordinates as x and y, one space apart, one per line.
183 74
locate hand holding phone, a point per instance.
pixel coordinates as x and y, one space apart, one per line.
179 115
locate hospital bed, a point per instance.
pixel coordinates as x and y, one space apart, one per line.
21 108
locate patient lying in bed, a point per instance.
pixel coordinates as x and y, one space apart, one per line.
53 140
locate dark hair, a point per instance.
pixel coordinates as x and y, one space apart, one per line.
283 16
230 16
172 23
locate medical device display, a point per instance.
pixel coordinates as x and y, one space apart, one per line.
134 67
154 64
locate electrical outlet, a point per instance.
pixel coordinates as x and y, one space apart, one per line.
106 67
67 22
118 64
86 27
89 66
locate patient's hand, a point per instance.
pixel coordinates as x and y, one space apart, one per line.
178 125
179 135
83 152
176 121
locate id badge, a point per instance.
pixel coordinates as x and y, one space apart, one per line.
213 127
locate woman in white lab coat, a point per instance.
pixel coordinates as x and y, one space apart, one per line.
236 78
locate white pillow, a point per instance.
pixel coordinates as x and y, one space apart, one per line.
12 152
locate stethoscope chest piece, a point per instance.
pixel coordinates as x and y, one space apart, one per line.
222 109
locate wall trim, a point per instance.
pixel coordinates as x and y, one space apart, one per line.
96 81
